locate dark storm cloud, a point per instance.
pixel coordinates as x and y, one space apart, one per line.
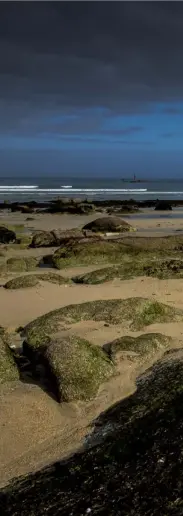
73 55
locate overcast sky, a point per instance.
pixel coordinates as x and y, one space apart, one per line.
89 88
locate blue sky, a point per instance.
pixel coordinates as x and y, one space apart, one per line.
86 94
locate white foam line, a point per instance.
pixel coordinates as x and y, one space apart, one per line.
80 190
18 187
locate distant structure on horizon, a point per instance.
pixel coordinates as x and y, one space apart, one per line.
134 180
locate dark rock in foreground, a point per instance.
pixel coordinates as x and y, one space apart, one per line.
136 469
6 235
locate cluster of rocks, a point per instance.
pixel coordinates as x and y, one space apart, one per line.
86 206
97 229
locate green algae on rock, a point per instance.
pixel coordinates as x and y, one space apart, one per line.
23 264
8 369
76 367
22 282
135 313
143 346
141 266
88 252
165 269
32 280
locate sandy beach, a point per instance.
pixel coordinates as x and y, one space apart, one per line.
34 429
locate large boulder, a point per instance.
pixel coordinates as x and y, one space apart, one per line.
8 369
86 251
6 235
76 368
108 225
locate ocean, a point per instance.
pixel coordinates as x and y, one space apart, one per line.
43 189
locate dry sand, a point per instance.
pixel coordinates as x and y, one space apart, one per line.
34 429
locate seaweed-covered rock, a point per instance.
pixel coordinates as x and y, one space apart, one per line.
43 239
8 369
63 236
165 269
22 282
142 266
134 313
6 235
108 225
24 264
88 251
32 280
76 368
142 346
